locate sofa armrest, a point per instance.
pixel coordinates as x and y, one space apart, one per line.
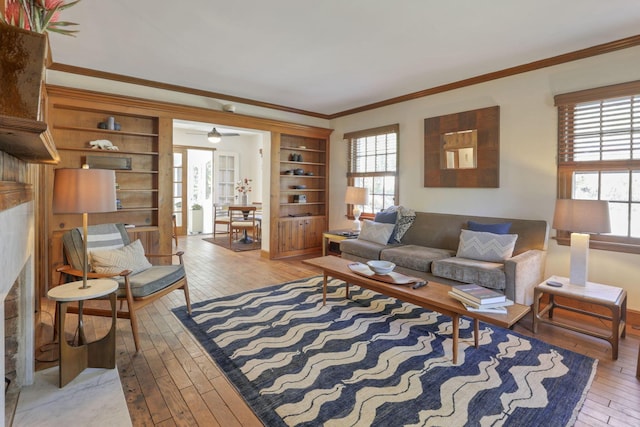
523 272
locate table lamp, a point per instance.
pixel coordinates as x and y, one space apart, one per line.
581 217
356 196
84 191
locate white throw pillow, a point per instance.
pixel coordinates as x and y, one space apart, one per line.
377 232
483 246
113 261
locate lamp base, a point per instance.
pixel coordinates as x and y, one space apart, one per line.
579 265
357 226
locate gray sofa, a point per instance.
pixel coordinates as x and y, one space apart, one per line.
428 250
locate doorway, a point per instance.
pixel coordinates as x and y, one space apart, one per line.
193 186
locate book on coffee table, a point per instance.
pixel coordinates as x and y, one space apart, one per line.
480 307
478 294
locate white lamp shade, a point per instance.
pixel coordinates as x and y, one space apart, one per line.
582 216
356 195
84 191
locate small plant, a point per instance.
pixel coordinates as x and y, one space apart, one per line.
196 207
39 16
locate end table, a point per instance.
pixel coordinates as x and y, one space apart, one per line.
335 236
610 297
97 354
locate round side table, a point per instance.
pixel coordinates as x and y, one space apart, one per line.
97 354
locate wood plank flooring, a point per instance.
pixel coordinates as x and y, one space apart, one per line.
173 381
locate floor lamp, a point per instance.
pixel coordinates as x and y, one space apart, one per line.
581 217
84 191
356 196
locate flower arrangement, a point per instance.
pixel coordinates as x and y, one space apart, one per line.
243 186
39 16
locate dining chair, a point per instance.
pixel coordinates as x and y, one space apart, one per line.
242 218
220 217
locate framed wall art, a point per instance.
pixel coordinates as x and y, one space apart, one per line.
463 149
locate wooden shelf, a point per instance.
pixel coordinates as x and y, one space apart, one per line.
105 131
310 150
98 151
28 140
301 163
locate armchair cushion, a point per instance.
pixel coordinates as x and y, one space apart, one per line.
151 280
113 261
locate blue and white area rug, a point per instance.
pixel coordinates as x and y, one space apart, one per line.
376 361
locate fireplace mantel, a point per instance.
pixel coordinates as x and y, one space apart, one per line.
14 193
28 140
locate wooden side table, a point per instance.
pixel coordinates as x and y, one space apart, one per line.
612 298
335 236
97 354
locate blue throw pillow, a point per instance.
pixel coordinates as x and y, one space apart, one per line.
502 228
387 218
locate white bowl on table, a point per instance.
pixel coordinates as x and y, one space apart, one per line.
381 267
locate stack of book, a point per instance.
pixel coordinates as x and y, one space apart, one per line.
479 299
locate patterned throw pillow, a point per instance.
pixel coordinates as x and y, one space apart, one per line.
113 261
377 232
405 219
483 246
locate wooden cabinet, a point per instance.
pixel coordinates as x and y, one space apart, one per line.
142 164
299 193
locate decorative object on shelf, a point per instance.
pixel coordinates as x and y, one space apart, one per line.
581 217
356 196
299 198
39 16
84 191
309 174
104 162
298 171
229 108
103 144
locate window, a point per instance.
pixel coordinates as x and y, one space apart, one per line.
599 158
373 163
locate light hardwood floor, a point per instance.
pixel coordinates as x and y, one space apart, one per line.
173 382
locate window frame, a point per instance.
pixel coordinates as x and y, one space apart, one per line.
568 166
351 138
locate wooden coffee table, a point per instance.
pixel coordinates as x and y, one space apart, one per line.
434 296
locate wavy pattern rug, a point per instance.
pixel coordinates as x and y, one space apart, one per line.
374 360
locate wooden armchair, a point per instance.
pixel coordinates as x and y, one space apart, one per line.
220 217
137 288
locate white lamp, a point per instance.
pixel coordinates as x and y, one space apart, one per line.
356 196
581 217
84 191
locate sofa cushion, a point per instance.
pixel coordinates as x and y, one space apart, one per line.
376 232
483 246
500 228
488 274
361 248
415 257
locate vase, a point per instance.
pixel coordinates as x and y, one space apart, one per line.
244 199
22 63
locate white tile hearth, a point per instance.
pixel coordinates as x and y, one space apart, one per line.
93 398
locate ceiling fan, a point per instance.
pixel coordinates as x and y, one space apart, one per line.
215 136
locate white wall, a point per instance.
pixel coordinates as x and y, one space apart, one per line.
528 138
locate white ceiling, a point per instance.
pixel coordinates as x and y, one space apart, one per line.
328 56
